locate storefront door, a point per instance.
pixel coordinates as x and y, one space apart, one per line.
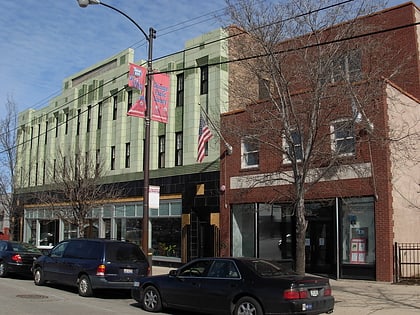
320 243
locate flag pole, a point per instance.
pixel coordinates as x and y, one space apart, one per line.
217 130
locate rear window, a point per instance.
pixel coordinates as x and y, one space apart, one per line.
124 252
24 247
268 268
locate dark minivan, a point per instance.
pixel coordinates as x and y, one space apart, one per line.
92 264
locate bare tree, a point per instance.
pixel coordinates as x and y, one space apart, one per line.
76 187
8 161
297 71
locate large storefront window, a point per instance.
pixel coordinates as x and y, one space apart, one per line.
358 231
121 222
166 237
243 230
48 233
275 232
70 230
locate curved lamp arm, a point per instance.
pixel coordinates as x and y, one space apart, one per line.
85 3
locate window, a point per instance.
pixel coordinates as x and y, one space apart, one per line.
56 125
97 161
180 90
161 162
46 133
78 121
89 113
249 154
204 80
263 89
347 67
66 128
358 231
223 269
197 269
342 133
114 107
39 134
296 154
113 158
129 99
127 155
178 149
99 115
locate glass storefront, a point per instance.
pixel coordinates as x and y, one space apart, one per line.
121 222
338 233
358 238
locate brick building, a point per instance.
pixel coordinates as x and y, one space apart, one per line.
361 184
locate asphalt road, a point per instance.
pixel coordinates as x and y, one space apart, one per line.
21 297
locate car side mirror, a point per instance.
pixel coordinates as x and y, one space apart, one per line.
173 273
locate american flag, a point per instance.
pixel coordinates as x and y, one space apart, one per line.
204 135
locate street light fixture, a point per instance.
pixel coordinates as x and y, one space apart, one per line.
146 153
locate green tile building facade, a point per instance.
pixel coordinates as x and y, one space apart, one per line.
90 117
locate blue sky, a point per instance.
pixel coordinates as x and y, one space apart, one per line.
44 41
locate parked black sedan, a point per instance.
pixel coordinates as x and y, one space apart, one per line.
238 286
17 258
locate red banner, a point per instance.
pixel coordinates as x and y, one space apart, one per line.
137 80
160 97
137 77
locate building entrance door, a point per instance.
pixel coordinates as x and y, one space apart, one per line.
320 244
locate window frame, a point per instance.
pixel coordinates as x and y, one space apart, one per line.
114 107
245 153
335 148
127 155
113 157
286 147
179 148
162 151
204 80
180 86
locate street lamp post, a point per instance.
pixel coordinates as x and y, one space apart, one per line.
146 152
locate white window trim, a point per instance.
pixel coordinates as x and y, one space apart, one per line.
285 146
244 164
334 139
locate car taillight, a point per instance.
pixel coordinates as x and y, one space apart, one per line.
327 291
100 271
17 258
295 294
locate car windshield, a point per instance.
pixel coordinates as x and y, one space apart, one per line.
266 268
24 247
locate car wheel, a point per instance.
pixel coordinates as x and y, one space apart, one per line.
39 277
84 286
3 270
151 300
248 306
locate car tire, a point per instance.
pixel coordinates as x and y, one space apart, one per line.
247 306
3 269
151 301
84 287
39 276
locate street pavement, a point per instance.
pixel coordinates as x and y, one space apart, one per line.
379 298
360 297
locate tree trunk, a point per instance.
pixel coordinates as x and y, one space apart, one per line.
301 225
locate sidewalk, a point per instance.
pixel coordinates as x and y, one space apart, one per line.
380 298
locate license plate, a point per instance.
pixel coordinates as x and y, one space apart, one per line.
130 271
313 292
136 283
